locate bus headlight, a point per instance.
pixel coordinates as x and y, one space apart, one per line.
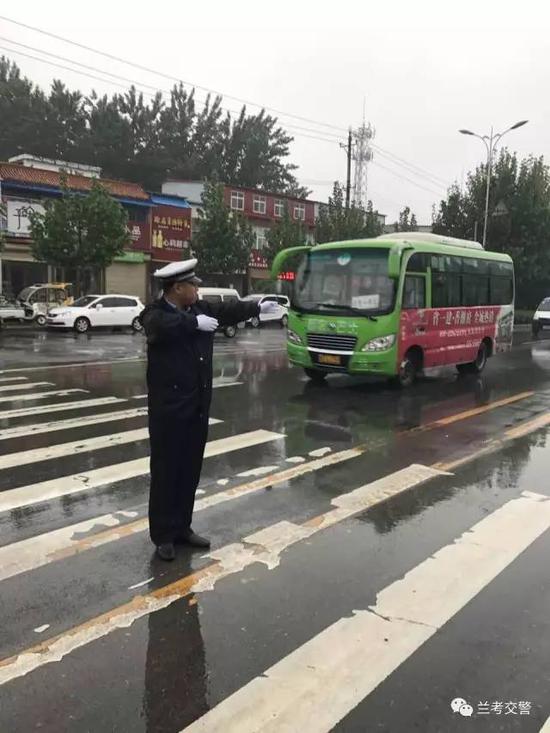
293 337
381 343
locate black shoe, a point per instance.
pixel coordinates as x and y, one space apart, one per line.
195 540
166 551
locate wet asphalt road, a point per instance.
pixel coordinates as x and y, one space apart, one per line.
376 554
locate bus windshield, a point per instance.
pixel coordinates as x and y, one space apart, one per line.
345 281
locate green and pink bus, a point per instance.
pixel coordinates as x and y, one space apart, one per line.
396 305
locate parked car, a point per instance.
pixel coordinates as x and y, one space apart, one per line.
37 300
541 317
280 315
222 295
10 311
97 311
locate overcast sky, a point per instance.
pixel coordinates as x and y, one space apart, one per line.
425 69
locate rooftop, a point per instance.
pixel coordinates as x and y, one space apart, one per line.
36 177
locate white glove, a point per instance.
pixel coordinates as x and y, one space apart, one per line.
206 323
268 306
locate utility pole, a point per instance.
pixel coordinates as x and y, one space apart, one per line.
348 148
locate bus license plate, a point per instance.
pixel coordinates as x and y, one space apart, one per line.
332 359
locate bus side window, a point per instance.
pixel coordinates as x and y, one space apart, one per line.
414 292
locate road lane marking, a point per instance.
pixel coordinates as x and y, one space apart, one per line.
78 422
74 447
264 546
60 407
59 544
40 395
13 379
65 485
492 445
472 412
318 684
73 422
24 385
546 727
43 367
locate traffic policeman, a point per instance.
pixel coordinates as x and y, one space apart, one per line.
180 336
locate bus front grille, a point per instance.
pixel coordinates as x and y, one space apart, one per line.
331 342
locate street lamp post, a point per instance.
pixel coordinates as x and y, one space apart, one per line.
490 142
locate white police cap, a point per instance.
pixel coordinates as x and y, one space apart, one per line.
177 272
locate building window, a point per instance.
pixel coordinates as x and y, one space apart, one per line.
300 212
261 238
279 208
259 205
237 200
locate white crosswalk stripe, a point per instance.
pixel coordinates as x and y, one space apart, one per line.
73 422
66 485
24 385
41 395
3 380
59 407
75 447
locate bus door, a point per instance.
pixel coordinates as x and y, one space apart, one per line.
414 317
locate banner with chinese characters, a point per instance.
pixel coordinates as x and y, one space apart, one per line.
455 335
140 235
257 260
171 233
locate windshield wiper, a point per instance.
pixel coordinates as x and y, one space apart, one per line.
345 307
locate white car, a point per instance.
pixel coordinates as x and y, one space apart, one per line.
280 315
97 311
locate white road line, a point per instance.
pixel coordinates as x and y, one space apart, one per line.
60 407
12 379
43 367
319 683
77 422
546 727
65 485
75 447
264 547
40 395
25 385
32 553
73 422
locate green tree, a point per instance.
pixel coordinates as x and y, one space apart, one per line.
224 239
145 142
337 223
518 221
80 232
407 221
285 233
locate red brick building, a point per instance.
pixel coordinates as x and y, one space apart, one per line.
262 209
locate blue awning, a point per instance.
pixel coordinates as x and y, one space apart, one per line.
176 201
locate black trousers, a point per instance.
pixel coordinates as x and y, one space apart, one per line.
177 451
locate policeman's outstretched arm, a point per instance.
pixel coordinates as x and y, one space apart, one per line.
160 326
229 314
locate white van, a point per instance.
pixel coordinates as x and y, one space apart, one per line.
221 295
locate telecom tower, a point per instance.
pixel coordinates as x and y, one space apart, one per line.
362 155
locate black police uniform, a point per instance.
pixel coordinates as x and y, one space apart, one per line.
179 380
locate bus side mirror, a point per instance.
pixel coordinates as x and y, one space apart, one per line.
281 257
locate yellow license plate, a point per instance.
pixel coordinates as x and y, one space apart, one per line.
332 359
